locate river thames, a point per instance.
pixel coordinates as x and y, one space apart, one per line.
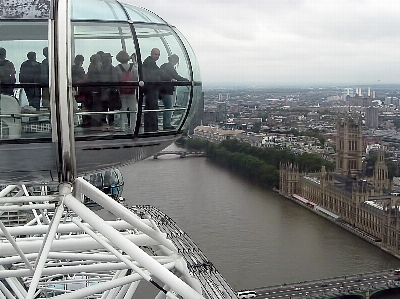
254 237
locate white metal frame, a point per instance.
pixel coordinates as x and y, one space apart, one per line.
69 250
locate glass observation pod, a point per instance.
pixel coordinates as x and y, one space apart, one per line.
89 85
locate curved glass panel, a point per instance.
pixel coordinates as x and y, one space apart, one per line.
101 107
105 10
182 100
23 64
105 98
174 47
89 38
192 56
138 14
11 9
109 181
163 93
196 104
26 148
153 36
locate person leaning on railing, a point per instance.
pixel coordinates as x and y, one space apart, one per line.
167 91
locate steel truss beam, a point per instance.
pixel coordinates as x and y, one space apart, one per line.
70 252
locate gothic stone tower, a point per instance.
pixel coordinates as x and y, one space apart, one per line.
289 179
349 145
381 180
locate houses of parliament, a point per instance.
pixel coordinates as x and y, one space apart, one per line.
357 197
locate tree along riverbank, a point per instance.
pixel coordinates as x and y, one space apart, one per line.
260 165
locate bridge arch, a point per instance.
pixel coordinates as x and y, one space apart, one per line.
379 294
350 296
386 294
180 153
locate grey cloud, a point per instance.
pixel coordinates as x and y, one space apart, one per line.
298 40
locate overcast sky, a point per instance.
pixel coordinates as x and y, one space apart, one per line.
289 42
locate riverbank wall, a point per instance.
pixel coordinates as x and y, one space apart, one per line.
343 224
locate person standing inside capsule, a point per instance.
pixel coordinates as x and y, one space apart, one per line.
153 74
45 79
127 72
7 73
167 91
134 59
108 75
30 72
93 101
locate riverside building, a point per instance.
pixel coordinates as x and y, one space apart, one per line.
356 197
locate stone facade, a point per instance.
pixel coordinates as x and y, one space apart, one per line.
363 203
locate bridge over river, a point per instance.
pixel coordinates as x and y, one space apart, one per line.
180 153
374 285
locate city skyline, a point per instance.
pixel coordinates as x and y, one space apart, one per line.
277 43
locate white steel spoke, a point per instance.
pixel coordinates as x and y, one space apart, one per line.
113 250
121 212
135 252
16 247
70 252
132 288
5 291
45 251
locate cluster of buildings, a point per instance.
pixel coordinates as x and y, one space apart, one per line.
357 198
280 140
359 195
303 109
275 117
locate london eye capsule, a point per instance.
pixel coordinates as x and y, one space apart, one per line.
89 85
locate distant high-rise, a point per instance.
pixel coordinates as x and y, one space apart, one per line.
371 117
221 111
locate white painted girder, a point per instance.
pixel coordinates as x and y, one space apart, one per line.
58 248
79 268
121 212
68 243
130 248
64 228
